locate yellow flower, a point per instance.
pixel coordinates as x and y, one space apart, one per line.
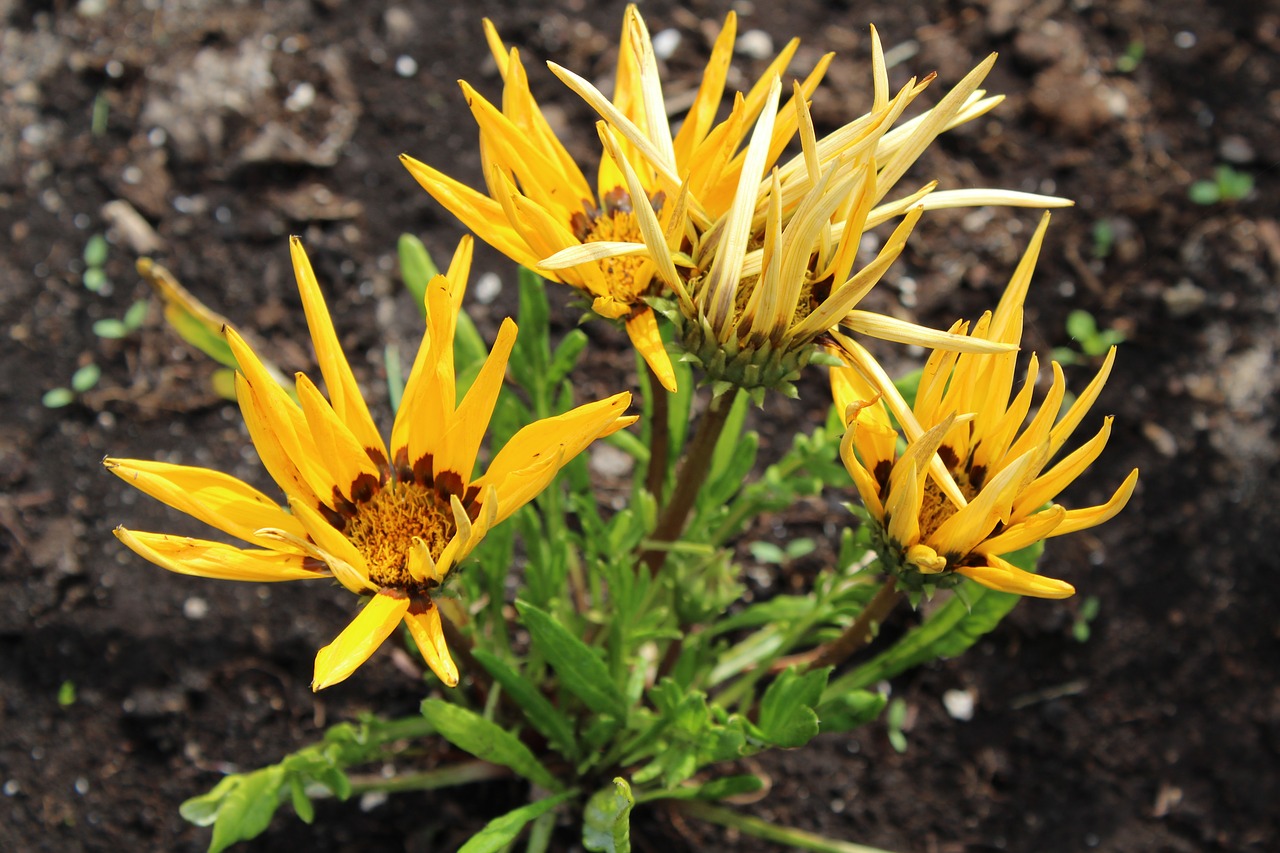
390 527
539 202
973 483
763 265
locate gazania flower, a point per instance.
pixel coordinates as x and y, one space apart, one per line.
764 265
539 202
973 483
388 526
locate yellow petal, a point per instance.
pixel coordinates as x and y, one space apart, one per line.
1026 532
205 559
344 394
217 499
274 448
471 420
423 621
477 211
550 441
359 640
344 559
642 328
1003 576
351 469
1082 519
710 92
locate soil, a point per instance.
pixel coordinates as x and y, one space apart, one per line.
226 127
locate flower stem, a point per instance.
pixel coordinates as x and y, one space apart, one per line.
443 777
660 438
694 467
861 631
797 838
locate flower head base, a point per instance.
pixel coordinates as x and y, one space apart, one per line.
973 484
760 263
388 526
540 203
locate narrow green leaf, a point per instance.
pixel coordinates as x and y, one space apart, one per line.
580 669
537 709
606 821
247 808
416 268
302 804
501 831
469 350
203 810
566 354
484 739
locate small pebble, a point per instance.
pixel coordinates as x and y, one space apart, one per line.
1184 298
406 66
665 43
195 608
755 44
487 288
302 97
1185 40
1236 149
959 704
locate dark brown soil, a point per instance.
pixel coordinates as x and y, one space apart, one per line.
1161 732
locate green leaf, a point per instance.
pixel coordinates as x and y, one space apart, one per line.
95 251
766 552
484 739
787 716
136 314
56 398
67 694
1081 326
580 669
606 821
85 378
110 328
537 709
847 711
469 350
1204 192
94 279
501 831
302 804
416 268
566 355
247 808
203 810
729 786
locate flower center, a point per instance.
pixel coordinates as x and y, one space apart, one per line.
383 530
628 276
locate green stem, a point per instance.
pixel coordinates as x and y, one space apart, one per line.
660 438
694 468
796 838
428 780
861 631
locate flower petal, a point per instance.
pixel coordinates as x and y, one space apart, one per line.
1003 576
359 640
217 499
205 559
425 626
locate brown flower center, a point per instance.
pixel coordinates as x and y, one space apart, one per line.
383 530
